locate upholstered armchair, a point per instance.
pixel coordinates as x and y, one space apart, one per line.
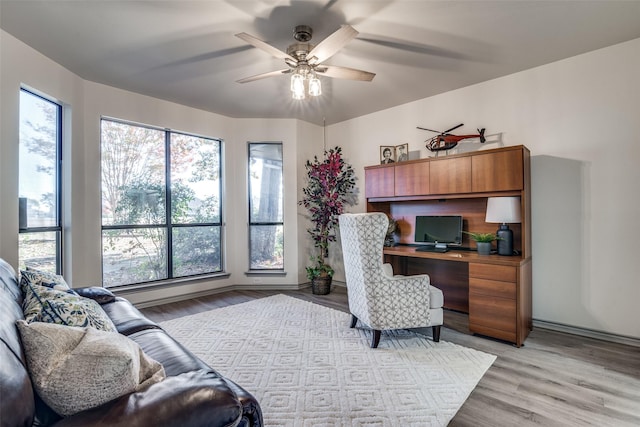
377 298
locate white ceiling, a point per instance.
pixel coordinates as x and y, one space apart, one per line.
186 51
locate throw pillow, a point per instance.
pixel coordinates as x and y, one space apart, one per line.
43 304
43 278
96 293
74 369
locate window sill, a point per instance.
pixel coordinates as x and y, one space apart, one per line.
160 284
278 273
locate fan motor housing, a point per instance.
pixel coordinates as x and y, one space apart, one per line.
299 50
302 33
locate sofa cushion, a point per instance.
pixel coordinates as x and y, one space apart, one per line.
127 318
160 346
74 369
43 304
43 278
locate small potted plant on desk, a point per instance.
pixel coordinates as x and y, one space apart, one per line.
330 184
483 241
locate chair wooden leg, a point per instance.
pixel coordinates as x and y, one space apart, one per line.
436 333
375 339
354 320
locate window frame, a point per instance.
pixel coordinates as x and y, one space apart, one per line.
250 223
169 224
58 228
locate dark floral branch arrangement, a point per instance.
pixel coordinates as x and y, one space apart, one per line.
330 183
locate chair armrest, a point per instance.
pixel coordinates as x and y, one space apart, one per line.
387 270
418 283
197 398
96 293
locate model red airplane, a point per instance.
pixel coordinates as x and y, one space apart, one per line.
446 141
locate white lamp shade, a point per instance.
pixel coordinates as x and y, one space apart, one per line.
503 210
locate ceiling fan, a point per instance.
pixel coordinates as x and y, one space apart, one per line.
305 59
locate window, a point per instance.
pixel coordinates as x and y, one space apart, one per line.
161 207
266 225
40 152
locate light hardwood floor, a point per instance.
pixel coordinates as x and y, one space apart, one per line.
555 379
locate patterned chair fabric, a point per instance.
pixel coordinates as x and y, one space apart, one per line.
376 297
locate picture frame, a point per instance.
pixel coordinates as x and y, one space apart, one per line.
402 152
387 154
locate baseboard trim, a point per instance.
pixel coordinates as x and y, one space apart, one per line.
191 295
589 333
182 297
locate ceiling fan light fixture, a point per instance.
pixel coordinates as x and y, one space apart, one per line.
315 87
297 82
305 60
297 86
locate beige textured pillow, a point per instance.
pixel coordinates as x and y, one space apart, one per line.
74 369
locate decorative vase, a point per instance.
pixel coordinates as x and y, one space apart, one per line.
484 248
321 285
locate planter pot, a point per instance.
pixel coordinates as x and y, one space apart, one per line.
484 248
321 285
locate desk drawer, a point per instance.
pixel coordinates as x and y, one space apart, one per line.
494 333
492 288
495 313
494 272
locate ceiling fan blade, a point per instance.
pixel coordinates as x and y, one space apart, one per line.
332 44
264 46
264 75
345 73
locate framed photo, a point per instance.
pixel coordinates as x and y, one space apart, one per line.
387 154
402 152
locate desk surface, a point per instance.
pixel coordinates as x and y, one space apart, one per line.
453 255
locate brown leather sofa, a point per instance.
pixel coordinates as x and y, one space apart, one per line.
192 394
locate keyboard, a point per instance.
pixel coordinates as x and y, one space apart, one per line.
431 249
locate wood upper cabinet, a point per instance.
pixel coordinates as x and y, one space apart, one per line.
497 171
450 175
490 171
379 182
412 179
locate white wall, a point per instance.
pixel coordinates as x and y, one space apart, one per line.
580 119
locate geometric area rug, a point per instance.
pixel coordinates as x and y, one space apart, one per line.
307 368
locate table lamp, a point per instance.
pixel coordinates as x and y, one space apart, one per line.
504 210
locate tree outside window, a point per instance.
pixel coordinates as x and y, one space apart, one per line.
40 147
266 224
160 204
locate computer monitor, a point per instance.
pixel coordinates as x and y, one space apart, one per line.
439 230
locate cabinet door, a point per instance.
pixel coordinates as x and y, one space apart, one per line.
493 316
501 171
379 182
448 176
492 301
412 179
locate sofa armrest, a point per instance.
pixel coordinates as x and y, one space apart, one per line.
96 293
193 399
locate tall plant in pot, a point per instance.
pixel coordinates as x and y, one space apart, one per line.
330 184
